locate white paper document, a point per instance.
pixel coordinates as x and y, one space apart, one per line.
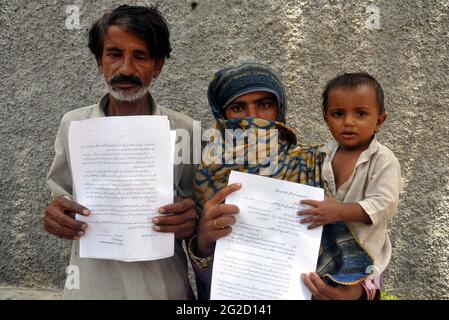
268 250
122 169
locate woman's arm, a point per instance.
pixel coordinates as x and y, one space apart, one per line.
216 220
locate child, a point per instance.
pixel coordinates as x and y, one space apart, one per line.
363 175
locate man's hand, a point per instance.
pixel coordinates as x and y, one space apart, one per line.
181 218
216 220
323 212
60 220
322 291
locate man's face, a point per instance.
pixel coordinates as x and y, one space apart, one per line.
126 65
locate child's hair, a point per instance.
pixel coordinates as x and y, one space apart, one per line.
352 81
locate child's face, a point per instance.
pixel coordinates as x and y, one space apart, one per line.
353 116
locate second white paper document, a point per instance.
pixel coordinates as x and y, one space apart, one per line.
268 250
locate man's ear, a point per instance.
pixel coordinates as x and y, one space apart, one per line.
159 64
99 65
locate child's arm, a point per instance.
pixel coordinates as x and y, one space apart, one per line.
382 192
330 211
379 204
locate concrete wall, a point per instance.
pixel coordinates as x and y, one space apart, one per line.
47 70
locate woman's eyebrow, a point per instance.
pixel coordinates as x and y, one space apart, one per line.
266 98
236 103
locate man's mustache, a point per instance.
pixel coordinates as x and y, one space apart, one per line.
121 79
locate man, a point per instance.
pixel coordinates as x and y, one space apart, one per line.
130 45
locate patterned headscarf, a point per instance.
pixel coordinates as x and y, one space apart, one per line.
342 260
232 82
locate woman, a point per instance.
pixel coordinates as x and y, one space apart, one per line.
251 96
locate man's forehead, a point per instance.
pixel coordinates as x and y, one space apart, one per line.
118 37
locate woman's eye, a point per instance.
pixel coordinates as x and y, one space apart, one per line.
236 108
266 104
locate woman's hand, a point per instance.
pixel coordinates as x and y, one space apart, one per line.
216 220
322 291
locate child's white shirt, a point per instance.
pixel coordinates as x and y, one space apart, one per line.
375 184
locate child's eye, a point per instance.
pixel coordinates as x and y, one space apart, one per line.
337 114
361 113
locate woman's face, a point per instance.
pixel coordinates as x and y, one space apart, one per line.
257 104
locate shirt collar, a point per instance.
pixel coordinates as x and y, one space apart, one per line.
332 146
329 147
105 100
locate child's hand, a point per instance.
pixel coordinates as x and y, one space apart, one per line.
324 212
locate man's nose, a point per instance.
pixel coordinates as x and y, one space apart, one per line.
127 66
